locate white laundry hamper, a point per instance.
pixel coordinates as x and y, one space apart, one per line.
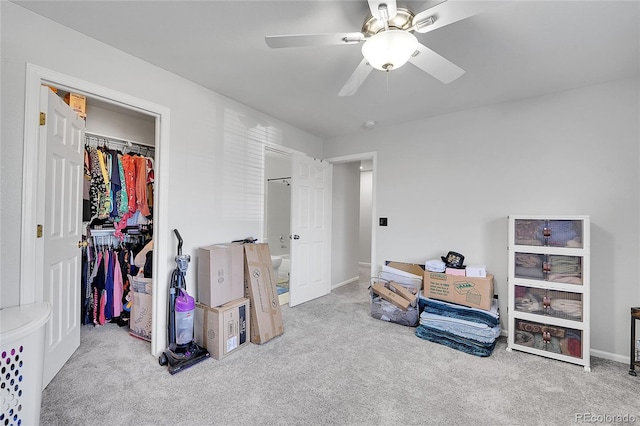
22 340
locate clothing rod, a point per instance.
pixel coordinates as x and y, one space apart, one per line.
281 178
148 151
115 139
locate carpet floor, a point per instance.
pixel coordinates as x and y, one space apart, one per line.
334 365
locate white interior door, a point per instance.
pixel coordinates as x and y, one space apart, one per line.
310 229
62 137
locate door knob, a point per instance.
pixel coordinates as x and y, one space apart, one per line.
294 237
82 244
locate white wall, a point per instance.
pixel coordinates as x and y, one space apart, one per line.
345 222
201 122
366 188
120 124
449 183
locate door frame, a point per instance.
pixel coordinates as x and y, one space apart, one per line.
373 156
31 249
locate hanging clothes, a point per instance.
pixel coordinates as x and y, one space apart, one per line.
119 186
99 196
141 186
116 186
118 201
123 202
107 294
105 200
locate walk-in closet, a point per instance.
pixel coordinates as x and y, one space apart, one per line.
117 215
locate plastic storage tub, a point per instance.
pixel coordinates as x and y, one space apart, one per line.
22 331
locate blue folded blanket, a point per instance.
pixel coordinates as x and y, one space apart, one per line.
466 329
469 346
438 307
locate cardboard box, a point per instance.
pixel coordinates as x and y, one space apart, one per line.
220 274
412 268
390 296
140 317
467 291
454 271
53 89
78 103
260 287
479 271
222 330
404 292
415 270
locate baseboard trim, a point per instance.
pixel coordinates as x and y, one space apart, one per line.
349 281
610 356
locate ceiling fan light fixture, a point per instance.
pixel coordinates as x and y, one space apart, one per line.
389 50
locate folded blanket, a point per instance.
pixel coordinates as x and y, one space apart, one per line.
527 260
568 279
561 232
567 265
534 273
468 330
469 346
439 307
526 232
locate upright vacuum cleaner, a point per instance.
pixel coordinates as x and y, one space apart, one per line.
183 352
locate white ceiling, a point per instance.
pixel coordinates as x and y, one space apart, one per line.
517 50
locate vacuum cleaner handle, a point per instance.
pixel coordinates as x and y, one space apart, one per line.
179 241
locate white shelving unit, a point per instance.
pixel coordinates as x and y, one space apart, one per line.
549 282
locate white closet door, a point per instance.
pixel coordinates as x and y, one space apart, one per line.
63 167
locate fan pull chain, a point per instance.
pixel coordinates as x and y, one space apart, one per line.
387 83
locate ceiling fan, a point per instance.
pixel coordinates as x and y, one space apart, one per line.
389 41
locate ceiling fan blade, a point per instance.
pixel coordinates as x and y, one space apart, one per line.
448 12
432 63
304 40
374 7
357 78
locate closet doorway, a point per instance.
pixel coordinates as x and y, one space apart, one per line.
33 277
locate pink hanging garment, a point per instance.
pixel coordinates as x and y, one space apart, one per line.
117 288
103 302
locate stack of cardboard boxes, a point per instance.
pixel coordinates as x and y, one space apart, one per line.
235 286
